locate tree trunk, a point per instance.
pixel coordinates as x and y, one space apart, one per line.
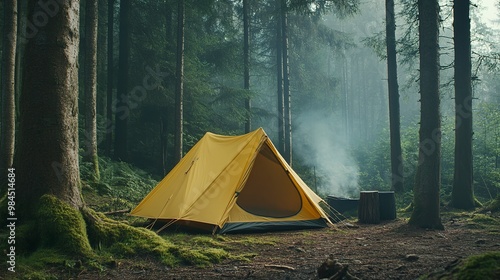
166 114
462 195
345 93
286 84
369 207
246 63
47 158
102 34
179 88
164 141
392 75
122 107
426 212
9 44
279 81
110 74
22 11
169 19
90 148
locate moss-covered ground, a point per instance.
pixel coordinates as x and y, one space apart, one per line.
481 266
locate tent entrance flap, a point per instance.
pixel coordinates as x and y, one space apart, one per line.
269 191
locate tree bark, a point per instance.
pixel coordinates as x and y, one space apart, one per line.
179 88
9 43
369 207
246 63
22 11
47 158
167 115
279 81
110 76
90 148
164 141
122 111
426 212
102 52
462 195
394 116
286 84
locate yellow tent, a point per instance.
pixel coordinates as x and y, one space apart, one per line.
234 184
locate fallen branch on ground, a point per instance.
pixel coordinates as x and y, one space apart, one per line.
278 266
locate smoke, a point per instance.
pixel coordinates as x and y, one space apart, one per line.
320 142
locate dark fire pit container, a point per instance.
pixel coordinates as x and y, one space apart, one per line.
342 204
387 205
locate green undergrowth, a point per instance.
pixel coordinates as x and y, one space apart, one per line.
121 185
484 266
217 247
492 205
122 240
478 219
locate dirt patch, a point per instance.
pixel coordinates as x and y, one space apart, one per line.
390 250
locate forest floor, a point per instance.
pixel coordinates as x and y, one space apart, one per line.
389 250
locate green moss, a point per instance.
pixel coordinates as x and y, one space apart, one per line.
200 257
486 266
192 257
43 257
482 221
207 241
62 226
124 240
492 205
258 241
243 257
215 255
35 265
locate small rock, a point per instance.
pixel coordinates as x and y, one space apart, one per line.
298 249
357 262
411 257
400 267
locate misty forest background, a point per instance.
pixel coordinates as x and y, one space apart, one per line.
337 75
